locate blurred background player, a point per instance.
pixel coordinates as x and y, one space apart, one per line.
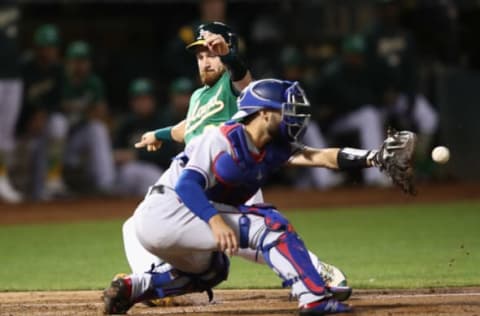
80 132
137 170
347 102
179 93
42 75
391 57
10 94
293 68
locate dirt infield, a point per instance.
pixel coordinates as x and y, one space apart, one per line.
457 302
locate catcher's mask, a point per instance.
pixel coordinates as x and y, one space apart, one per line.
283 95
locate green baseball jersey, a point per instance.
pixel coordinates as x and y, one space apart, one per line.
210 106
77 99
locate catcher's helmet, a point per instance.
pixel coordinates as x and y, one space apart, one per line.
217 28
285 96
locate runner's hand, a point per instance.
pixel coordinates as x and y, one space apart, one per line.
150 141
216 44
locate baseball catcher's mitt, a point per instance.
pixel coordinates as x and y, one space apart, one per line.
395 158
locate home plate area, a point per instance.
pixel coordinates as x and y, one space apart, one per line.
445 301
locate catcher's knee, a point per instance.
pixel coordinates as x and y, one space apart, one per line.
216 273
289 246
274 220
275 223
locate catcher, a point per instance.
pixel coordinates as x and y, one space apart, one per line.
224 75
199 202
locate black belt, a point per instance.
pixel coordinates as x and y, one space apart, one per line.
157 189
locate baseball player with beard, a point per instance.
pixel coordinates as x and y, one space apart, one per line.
223 75
195 213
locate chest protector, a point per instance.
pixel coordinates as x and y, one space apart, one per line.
241 174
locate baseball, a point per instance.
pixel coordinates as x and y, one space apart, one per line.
441 154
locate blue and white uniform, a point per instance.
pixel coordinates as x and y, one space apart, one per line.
217 173
208 160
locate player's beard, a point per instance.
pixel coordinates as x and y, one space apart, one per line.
211 77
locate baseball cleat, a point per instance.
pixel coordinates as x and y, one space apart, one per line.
120 276
332 275
326 306
340 293
8 193
117 297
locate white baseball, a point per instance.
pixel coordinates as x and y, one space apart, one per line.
441 154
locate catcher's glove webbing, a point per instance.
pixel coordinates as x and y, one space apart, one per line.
395 158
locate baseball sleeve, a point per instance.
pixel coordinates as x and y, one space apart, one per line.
190 190
197 175
204 152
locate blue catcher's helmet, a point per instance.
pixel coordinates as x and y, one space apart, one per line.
285 96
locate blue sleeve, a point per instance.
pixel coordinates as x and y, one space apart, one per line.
190 190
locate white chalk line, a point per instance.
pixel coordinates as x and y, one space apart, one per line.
359 296
415 295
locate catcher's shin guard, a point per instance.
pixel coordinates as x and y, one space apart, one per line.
287 254
293 250
297 265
